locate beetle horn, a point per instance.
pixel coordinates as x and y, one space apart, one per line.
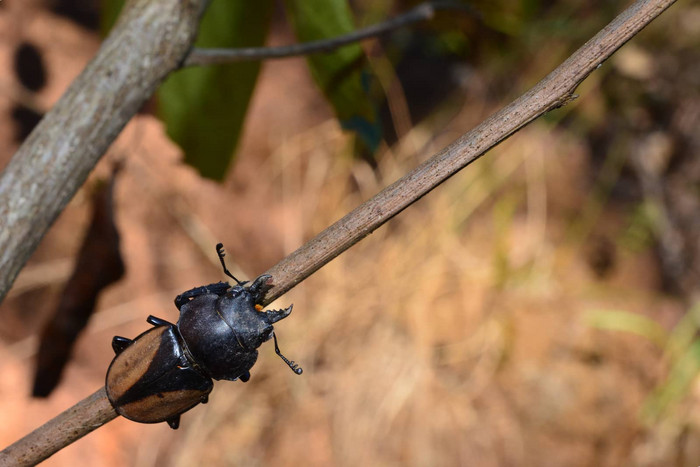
272 316
260 287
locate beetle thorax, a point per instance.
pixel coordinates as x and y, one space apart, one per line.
250 326
206 324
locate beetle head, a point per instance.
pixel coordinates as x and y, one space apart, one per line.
253 327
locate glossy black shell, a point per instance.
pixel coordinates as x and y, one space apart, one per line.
223 332
152 380
168 370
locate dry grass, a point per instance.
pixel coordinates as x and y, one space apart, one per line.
454 335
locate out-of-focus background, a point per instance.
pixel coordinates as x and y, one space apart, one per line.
540 308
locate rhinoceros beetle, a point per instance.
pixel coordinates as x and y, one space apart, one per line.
168 369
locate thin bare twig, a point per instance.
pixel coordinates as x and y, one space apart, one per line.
555 90
423 12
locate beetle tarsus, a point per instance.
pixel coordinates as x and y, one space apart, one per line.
220 251
174 422
204 399
155 321
120 343
245 377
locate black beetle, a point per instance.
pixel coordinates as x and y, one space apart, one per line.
168 369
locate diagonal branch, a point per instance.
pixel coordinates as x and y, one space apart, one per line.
555 90
62 430
423 12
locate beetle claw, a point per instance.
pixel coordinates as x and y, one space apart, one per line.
260 287
273 316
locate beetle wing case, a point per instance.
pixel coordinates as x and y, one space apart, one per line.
152 380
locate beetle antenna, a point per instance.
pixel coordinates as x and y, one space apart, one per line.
295 368
221 253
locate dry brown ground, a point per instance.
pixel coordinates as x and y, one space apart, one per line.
456 335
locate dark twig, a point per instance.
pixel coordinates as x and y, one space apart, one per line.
554 91
423 12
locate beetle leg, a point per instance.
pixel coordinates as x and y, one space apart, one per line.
295 368
204 399
218 288
174 422
220 252
157 321
120 343
245 377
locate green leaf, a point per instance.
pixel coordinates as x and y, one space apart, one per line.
109 11
632 323
342 75
204 107
677 385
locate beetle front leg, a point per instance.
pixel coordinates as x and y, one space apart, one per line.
218 288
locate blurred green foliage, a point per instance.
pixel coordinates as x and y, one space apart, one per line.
109 12
633 323
681 348
204 108
342 75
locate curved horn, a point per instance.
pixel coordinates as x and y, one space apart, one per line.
260 287
272 316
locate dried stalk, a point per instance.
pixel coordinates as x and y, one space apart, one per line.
555 90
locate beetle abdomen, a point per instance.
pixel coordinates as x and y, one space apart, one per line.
152 379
